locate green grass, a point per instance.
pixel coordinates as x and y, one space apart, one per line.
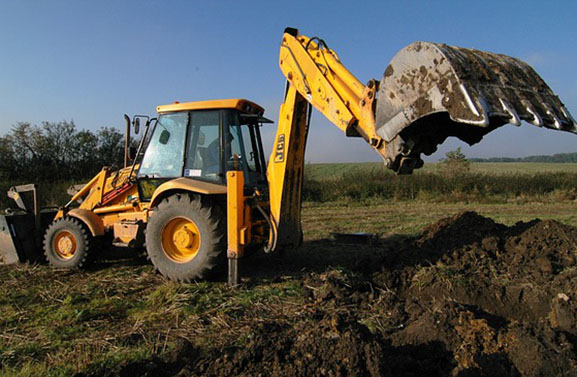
59 322
328 182
486 183
336 170
470 187
408 217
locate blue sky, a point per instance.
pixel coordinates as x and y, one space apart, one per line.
92 61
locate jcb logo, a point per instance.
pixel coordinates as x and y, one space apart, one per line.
279 151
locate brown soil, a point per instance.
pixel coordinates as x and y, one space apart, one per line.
467 297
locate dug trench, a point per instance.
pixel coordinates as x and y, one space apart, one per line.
465 297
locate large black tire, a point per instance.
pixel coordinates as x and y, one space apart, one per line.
68 244
186 237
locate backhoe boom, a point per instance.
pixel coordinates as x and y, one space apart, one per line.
428 92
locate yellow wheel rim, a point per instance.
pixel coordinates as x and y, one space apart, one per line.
180 240
65 245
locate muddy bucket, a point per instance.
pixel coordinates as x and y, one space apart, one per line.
431 91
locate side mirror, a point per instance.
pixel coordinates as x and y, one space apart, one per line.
164 136
136 125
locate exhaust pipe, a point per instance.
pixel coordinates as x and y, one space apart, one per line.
126 140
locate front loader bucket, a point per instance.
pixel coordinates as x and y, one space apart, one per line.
20 241
8 252
21 232
431 91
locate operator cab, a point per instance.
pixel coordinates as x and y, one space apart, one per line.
202 141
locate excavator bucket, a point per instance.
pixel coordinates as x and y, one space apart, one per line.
431 91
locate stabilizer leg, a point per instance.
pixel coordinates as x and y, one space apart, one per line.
233 272
235 223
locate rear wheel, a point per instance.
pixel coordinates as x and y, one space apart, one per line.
185 237
67 243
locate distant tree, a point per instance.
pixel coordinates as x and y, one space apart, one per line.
57 151
6 158
110 147
86 155
455 163
559 157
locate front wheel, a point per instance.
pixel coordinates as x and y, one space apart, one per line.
185 237
68 243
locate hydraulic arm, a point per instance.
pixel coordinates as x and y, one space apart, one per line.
428 92
315 76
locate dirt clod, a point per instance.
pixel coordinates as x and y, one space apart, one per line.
466 297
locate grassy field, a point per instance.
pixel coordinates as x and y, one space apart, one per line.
386 219
61 322
336 170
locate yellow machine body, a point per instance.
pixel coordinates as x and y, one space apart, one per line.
125 214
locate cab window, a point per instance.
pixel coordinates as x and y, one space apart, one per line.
203 157
239 145
164 155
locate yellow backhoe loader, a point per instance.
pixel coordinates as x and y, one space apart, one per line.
200 189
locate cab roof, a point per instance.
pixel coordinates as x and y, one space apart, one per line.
242 105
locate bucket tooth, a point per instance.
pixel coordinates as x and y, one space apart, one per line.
569 117
469 100
513 116
536 119
556 121
482 116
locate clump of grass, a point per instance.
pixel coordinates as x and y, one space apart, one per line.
468 186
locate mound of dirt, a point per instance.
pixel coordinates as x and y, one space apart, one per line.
467 297
324 346
502 299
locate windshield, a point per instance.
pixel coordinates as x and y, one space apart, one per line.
164 155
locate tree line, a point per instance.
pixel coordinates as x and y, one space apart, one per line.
58 151
559 157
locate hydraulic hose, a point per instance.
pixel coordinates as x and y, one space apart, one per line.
272 241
